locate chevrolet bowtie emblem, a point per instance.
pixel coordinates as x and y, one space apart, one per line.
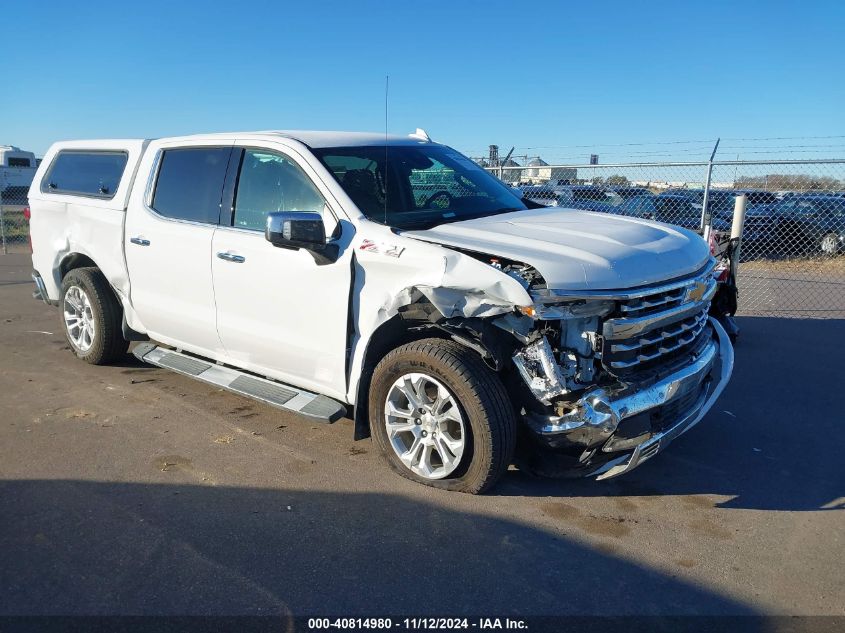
696 291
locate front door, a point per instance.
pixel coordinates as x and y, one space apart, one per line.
278 312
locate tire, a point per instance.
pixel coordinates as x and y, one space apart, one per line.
91 317
475 395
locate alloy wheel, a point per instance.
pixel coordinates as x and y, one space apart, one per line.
424 425
79 318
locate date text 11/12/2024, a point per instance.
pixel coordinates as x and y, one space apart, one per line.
428 623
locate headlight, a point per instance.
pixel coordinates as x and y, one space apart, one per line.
569 309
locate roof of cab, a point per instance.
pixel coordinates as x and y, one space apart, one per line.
319 139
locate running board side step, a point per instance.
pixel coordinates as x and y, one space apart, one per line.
276 394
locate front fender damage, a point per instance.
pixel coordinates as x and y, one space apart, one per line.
430 286
464 287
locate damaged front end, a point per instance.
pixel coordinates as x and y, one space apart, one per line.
611 377
600 379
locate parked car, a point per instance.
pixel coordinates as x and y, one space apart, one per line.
756 197
569 196
318 272
761 222
811 223
720 202
677 210
626 191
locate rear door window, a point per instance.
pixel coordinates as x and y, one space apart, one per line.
190 183
81 173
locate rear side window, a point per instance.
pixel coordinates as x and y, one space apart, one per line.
190 183
19 162
95 174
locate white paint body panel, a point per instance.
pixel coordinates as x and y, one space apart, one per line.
172 294
62 224
280 314
580 250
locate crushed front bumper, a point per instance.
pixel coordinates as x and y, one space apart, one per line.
684 396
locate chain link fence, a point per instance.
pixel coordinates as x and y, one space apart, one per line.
14 225
793 252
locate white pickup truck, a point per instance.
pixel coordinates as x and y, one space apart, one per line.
390 279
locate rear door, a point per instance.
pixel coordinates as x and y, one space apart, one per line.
168 245
278 312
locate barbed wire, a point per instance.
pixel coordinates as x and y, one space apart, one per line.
703 148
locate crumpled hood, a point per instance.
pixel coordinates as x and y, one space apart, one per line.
580 250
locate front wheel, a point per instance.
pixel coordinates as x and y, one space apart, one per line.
91 317
441 416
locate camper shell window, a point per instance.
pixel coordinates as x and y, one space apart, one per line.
95 174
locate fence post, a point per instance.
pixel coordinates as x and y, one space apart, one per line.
3 228
736 232
705 201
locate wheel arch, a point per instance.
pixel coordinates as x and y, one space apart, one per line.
72 261
391 334
420 321
107 341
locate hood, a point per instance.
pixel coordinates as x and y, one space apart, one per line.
580 250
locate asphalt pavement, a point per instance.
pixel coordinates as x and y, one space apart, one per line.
129 489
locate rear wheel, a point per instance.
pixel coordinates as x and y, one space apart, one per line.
830 244
91 317
441 416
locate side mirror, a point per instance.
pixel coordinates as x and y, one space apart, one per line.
295 230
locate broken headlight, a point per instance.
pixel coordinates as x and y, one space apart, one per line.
549 311
565 357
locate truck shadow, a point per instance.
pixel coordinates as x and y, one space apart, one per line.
773 441
85 547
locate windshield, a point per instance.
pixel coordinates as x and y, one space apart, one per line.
422 186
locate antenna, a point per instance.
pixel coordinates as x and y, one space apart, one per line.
384 175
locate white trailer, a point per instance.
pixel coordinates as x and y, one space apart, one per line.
17 169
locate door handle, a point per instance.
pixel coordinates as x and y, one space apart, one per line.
140 241
238 259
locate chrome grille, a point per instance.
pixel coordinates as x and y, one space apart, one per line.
654 328
653 303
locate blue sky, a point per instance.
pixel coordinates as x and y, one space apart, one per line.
550 75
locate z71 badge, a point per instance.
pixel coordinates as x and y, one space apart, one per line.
391 250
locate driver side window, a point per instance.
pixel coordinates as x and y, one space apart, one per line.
271 182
